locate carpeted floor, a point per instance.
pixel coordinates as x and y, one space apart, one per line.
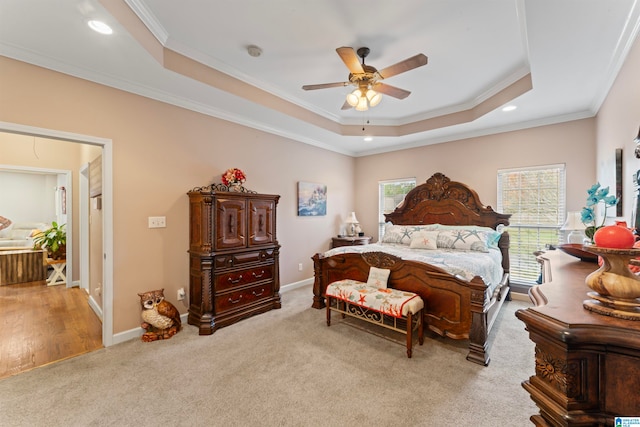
281 368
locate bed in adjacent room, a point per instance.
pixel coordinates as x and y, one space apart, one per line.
442 243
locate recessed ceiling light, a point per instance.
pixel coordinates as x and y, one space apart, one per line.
368 138
100 27
509 108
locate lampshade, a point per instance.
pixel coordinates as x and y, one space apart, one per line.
351 219
373 97
573 222
575 226
354 97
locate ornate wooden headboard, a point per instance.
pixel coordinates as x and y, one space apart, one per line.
442 201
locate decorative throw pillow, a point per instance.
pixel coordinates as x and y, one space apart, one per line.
403 233
424 240
471 240
493 236
20 234
378 277
392 234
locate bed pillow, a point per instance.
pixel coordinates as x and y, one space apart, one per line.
20 233
425 240
378 277
5 232
403 233
463 239
493 236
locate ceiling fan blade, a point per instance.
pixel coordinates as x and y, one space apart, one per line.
350 59
393 91
325 85
346 106
408 64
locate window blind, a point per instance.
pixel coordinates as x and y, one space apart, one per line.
391 194
536 199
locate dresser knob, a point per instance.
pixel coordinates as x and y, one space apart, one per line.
235 301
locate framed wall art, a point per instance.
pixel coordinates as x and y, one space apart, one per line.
312 199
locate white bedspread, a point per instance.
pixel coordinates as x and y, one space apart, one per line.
464 264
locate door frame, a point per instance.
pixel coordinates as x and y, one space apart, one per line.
83 238
107 209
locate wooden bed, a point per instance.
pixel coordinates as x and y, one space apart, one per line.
455 308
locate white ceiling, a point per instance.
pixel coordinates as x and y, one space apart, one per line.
572 50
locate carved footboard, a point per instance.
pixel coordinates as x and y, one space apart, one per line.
453 307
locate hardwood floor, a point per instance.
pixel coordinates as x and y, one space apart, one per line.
41 324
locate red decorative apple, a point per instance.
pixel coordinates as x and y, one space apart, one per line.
614 236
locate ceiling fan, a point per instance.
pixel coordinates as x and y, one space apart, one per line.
367 79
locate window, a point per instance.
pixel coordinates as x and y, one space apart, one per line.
391 193
535 198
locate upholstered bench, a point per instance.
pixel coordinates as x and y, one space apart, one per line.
391 308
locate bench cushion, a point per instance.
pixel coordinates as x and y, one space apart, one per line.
392 302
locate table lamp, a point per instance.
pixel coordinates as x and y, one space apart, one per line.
575 226
352 223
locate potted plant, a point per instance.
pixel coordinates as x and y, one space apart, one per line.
53 240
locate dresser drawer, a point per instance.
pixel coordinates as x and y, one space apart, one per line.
237 299
234 279
239 259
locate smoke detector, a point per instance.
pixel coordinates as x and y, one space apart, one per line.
254 51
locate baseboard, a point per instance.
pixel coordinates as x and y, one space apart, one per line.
296 285
95 307
136 333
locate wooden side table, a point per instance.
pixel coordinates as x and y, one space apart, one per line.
59 274
349 241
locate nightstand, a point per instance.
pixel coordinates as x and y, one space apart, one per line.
350 241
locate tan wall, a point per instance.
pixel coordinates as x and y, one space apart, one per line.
159 153
476 161
617 126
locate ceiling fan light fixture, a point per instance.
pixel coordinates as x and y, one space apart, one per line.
373 97
363 105
354 97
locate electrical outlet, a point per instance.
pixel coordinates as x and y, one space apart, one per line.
157 222
181 294
300 267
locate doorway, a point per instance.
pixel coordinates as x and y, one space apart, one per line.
106 206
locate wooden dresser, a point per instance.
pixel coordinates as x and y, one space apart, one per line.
587 365
234 257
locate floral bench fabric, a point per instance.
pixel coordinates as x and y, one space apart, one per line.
388 301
